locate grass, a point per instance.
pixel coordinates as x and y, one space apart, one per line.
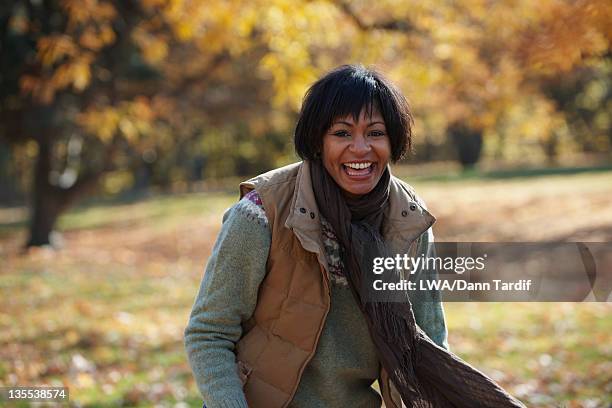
105 316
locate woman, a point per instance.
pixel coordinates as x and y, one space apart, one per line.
281 318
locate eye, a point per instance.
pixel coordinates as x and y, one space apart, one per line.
377 133
341 133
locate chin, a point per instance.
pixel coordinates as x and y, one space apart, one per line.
357 190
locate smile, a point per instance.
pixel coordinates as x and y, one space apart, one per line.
358 169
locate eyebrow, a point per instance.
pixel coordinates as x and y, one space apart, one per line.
342 122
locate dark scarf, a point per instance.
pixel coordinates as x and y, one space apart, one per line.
426 375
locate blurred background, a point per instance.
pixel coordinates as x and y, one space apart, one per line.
125 127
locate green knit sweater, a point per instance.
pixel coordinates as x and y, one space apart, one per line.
345 364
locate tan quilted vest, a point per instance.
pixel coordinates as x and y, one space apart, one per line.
294 297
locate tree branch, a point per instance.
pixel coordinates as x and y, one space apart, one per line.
403 26
202 76
87 183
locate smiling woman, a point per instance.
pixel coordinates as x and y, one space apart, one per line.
282 319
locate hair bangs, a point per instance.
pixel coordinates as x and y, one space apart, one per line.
352 96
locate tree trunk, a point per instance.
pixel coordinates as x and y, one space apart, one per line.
550 147
44 216
45 204
50 201
468 143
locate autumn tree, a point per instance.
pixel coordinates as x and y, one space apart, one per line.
91 83
98 85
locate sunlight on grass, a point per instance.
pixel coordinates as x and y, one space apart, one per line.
164 210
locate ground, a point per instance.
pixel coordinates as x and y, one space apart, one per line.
105 315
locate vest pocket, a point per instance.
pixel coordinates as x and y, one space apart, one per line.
244 370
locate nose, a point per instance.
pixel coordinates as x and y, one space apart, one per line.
360 144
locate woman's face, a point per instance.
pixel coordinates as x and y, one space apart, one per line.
355 154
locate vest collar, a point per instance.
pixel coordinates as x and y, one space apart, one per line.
405 219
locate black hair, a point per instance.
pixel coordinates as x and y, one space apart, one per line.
347 90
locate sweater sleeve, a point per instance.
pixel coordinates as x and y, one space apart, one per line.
426 305
227 297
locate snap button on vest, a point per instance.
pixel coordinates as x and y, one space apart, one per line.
404 213
303 210
413 207
312 215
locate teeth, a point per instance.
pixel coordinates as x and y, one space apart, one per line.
358 166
